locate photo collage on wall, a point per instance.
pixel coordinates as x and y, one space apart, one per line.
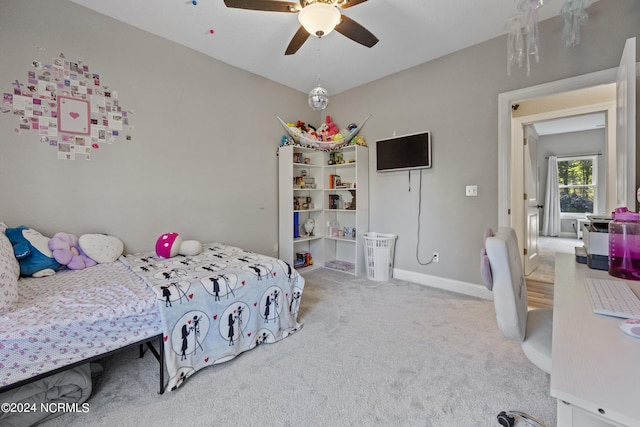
69 108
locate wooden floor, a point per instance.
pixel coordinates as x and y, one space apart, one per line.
539 294
540 281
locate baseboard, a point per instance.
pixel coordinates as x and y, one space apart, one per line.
568 234
457 286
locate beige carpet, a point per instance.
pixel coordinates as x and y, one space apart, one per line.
370 354
540 281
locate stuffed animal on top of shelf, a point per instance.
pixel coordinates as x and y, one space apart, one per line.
333 128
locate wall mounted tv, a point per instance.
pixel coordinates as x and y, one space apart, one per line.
405 152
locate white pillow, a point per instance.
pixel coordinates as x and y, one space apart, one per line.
9 273
100 247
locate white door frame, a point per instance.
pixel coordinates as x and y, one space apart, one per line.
510 190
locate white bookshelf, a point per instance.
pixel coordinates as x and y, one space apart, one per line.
340 247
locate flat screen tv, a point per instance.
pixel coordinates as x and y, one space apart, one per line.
405 152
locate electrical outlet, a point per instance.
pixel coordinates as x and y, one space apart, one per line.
436 257
275 247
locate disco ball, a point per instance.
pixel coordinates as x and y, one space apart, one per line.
318 98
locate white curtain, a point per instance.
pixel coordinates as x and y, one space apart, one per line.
551 222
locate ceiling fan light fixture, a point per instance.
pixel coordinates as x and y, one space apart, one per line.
319 19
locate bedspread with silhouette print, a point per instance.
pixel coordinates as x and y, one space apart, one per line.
218 304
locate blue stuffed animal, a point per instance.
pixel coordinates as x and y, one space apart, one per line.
32 252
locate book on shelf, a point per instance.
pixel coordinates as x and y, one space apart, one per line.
335 181
334 201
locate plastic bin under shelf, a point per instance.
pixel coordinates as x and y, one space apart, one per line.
340 265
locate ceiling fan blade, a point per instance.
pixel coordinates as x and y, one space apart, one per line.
356 32
265 5
351 3
297 41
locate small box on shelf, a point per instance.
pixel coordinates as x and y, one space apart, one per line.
350 232
303 203
303 259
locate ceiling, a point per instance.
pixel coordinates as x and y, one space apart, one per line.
571 124
411 32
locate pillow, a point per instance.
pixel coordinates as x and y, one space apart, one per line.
485 269
9 273
67 251
100 247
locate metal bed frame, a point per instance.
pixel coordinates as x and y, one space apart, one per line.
157 353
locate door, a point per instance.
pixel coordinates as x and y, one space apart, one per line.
626 127
530 184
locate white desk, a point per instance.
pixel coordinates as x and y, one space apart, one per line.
595 371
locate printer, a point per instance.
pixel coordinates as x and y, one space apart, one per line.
595 234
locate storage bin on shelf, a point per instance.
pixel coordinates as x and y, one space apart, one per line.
379 249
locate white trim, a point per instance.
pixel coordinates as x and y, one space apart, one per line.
510 188
456 286
505 100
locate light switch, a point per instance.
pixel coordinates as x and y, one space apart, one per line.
472 190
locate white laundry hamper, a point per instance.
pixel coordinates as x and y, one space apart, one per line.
379 256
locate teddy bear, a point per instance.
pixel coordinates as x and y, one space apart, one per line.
328 129
32 251
311 133
332 127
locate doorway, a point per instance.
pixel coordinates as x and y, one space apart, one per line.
563 134
510 182
621 168
581 131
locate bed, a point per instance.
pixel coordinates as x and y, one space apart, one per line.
219 304
201 310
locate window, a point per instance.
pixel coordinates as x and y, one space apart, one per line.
577 178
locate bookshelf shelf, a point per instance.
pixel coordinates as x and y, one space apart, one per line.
340 212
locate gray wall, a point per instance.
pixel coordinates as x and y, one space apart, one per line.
456 97
203 128
203 157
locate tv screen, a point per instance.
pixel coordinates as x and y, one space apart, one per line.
412 151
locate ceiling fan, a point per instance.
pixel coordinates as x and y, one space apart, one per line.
317 17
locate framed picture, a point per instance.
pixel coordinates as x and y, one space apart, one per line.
74 116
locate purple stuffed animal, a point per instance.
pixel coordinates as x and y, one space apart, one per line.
66 251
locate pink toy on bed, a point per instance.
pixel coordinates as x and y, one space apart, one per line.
66 251
169 245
